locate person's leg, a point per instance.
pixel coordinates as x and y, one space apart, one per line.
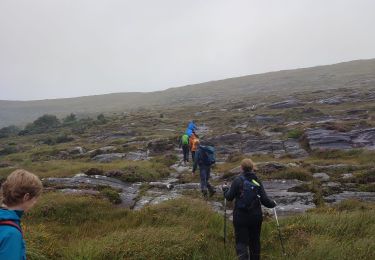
186 153
203 174
209 186
192 156
254 238
242 240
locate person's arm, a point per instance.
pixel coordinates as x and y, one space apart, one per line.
232 192
11 246
264 198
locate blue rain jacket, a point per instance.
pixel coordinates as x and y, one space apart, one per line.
12 245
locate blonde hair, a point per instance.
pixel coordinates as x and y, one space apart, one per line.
19 183
248 165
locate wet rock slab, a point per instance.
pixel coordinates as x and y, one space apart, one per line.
288 202
331 139
128 192
364 196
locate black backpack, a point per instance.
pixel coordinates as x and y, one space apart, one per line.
249 197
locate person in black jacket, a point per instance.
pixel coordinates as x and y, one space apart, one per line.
247 222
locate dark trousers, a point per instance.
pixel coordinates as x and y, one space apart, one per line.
185 151
193 156
247 234
204 172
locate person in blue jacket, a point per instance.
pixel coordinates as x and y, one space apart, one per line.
192 126
19 193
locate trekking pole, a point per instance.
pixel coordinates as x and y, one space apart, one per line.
278 228
225 221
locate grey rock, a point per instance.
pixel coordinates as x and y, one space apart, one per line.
128 191
364 196
285 104
322 176
330 139
293 148
332 184
347 176
332 101
161 185
136 156
80 192
269 167
77 150
288 202
105 158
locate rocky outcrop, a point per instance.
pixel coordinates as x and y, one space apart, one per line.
252 144
128 192
328 139
331 139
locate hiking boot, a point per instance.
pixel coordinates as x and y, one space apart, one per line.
204 193
211 192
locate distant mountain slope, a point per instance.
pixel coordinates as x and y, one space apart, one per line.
348 74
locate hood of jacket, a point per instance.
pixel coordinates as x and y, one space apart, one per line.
14 215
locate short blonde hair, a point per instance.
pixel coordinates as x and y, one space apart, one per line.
248 165
19 183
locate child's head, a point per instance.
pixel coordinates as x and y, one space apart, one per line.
21 189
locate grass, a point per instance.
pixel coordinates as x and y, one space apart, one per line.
90 228
133 170
83 227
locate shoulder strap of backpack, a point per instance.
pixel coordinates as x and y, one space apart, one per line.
12 224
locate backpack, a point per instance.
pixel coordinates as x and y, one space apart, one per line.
12 224
185 139
208 155
249 198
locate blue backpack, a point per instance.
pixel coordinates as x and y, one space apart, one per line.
208 155
249 197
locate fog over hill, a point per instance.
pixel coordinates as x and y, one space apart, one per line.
351 74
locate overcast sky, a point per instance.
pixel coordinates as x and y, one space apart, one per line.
68 48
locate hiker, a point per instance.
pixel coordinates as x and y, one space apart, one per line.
249 194
19 193
184 143
192 126
204 158
194 144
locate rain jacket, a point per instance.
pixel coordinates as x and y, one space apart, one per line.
192 126
12 245
193 142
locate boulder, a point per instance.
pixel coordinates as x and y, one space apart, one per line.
269 167
77 150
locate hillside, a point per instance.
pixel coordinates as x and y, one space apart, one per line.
354 74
